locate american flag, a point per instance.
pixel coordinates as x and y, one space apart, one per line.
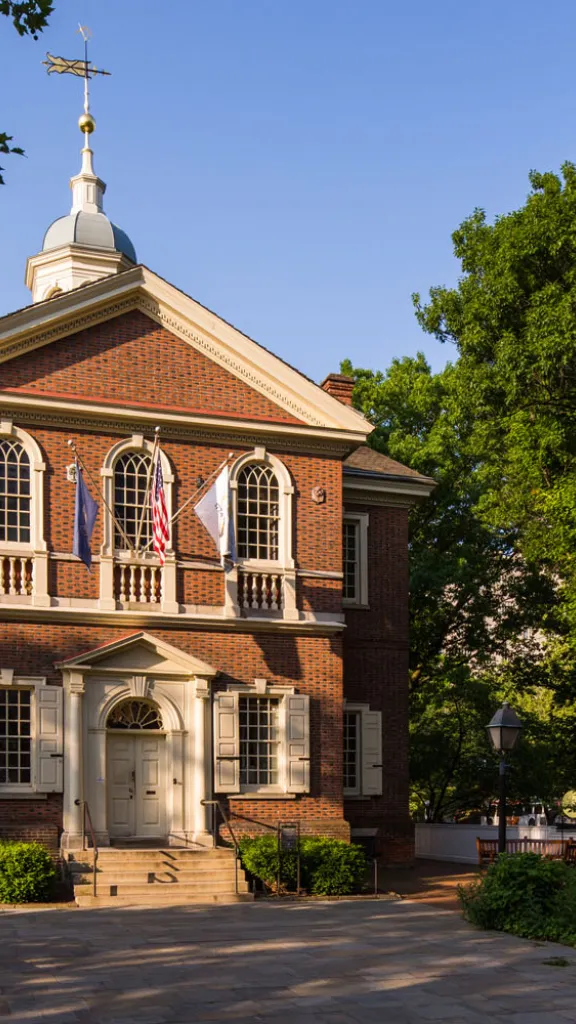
160 531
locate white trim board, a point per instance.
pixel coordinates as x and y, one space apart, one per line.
141 289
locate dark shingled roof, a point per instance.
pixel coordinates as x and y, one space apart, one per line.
367 462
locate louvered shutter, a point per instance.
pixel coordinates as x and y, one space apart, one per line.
49 739
226 743
297 743
371 753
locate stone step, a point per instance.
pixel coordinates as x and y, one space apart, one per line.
198 862
171 852
114 875
162 901
152 889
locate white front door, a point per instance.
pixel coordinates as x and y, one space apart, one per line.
136 785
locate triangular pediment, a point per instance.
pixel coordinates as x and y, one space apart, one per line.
290 396
140 652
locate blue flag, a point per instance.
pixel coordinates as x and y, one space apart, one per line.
84 518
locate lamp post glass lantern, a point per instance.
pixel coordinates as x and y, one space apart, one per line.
503 730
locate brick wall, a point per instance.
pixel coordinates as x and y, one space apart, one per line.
312 664
132 355
32 821
376 672
316 533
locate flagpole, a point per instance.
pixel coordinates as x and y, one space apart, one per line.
147 492
214 473
198 491
83 466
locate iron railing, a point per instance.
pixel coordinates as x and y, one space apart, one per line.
87 822
217 808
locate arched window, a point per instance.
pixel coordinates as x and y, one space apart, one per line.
135 715
258 512
15 492
131 473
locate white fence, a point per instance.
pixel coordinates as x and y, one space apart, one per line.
458 842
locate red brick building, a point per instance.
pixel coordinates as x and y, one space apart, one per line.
275 681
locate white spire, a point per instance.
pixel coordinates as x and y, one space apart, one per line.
87 188
83 246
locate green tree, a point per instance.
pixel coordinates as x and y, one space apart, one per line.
512 318
29 17
477 605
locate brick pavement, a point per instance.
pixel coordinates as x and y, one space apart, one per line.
391 962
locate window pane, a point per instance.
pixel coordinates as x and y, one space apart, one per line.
350 561
259 741
258 513
14 492
130 484
351 750
15 744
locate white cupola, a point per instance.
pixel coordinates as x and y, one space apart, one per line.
85 245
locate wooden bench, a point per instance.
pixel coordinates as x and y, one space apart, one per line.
553 849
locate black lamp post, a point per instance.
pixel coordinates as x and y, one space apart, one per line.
503 730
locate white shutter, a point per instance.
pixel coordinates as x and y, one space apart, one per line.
49 739
226 743
297 743
371 753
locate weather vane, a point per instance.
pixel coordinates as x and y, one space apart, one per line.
80 68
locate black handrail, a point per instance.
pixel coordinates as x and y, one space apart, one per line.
217 806
86 818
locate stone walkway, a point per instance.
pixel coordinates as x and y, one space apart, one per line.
390 962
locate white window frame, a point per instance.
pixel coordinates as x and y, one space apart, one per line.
293 742
36 548
357 789
284 564
285 493
360 520
43 747
109 555
369 752
136 443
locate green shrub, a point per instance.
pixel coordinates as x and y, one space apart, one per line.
26 873
524 894
328 867
333 868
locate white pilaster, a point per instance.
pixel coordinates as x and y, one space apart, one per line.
73 763
201 764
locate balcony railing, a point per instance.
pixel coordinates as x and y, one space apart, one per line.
16 575
260 591
138 584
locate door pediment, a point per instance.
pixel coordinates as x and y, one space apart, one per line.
140 653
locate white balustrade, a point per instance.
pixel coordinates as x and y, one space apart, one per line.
260 591
138 584
16 575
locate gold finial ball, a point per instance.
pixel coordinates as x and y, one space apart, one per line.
86 123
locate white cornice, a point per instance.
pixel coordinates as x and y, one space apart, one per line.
141 289
75 412
320 624
387 490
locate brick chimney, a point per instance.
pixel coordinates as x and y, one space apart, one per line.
339 386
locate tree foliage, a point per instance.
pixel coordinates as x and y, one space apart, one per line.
493 578
29 17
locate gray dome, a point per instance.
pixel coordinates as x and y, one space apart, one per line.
93 230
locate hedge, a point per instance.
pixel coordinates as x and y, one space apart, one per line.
27 873
328 867
527 895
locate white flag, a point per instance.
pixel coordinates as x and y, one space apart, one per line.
214 511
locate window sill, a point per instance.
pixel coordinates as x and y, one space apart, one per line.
13 794
348 603
356 796
261 796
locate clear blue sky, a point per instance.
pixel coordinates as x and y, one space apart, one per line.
296 166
